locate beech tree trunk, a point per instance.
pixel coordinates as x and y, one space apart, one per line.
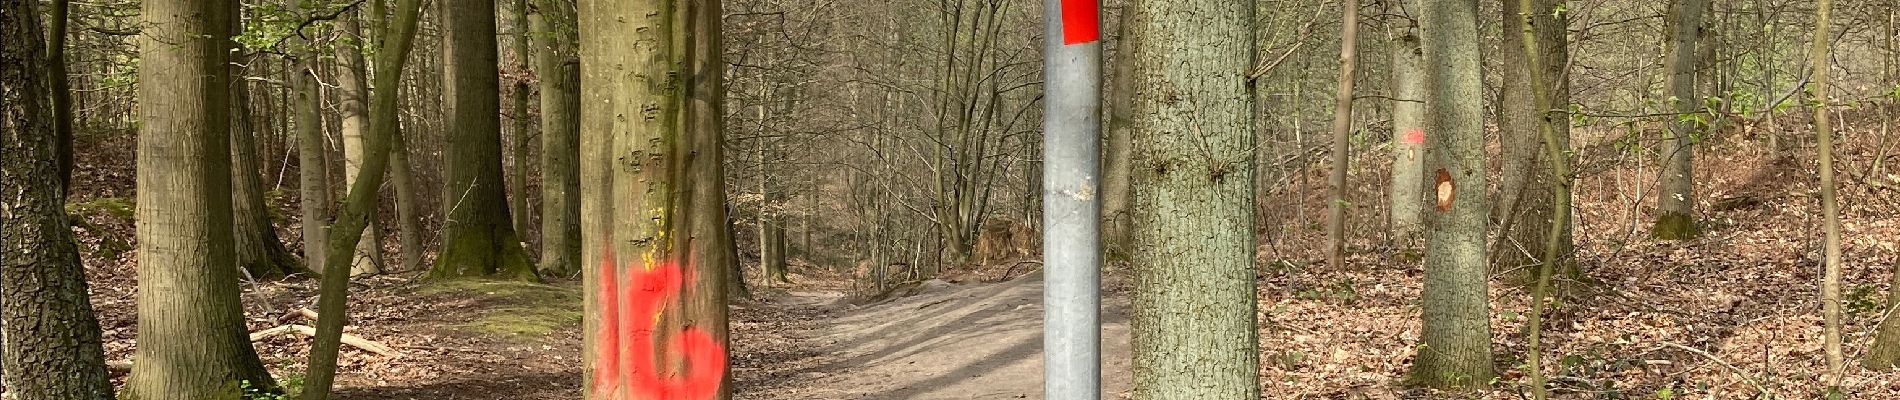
1675 202
559 67
314 181
1456 338
1408 123
192 342
710 240
479 238
352 102
47 326
1194 307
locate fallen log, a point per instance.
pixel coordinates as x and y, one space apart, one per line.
352 340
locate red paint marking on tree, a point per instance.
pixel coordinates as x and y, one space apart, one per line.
1081 21
627 327
1415 136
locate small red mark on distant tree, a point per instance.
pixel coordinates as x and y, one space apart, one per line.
1447 191
625 353
1081 21
1415 136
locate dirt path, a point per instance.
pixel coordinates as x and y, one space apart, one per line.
947 341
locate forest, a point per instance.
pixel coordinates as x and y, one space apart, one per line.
949 199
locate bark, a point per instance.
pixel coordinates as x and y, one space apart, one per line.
1456 337
48 327
352 88
1342 137
360 206
313 182
560 138
479 239
1408 116
192 342
1527 191
408 215
1117 150
61 87
1536 32
1675 202
259 252
518 176
630 120
1830 202
1194 307
710 238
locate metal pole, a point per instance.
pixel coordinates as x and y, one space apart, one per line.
1071 218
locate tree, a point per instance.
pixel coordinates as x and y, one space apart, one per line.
359 207
1533 38
1342 137
1117 151
478 238
312 165
192 341
1456 339
1819 61
1525 202
259 252
518 176
47 325
559 69
352 80
1194 331
1675 202
710 246
1408 122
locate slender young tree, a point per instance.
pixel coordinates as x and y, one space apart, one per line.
1540 25
518 176
47 325
478 238
1117 152
192 342
559 69
1194 331
1675 202
360 205
1342 136
312 165
1819 61
1456 339
1408 121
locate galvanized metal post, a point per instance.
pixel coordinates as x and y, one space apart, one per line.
1071 217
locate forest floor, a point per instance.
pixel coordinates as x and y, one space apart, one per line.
1744 297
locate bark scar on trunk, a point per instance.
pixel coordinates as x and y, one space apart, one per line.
1447 190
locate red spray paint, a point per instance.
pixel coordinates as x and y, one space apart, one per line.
1081 21
625 351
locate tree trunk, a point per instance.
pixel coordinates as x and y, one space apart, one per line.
259 252
408 216
479 238
1194 308
560 138
630 167
360 206
710 255
62 87
518 176
1342 137
1408 125
1456 337
1117 151
192 340
1830 202
313 182
47 326
1526 188
352 90
1675 202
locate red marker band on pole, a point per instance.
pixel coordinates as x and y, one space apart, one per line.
1081 21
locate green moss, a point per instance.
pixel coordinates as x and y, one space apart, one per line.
117 207
1675 226
514 308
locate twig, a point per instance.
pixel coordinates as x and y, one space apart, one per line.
1718 360
305 330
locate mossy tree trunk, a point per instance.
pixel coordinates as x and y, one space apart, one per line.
192 342
1194 309
1675 202
479 239
47 326
1456 339
556 27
